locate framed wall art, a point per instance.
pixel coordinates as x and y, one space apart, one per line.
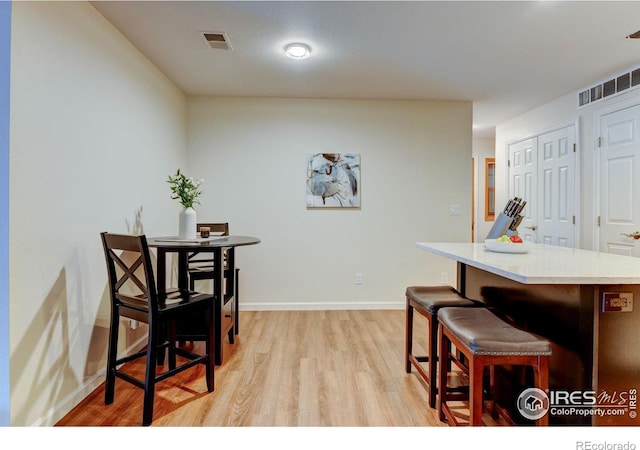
333 180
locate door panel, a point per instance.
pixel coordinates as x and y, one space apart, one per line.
522 183
542 172
620 181
557 191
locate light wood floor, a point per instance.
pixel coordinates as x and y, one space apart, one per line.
287 368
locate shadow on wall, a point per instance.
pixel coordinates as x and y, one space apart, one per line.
136 226
64 350
56 334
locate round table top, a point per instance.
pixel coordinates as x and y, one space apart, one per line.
174 243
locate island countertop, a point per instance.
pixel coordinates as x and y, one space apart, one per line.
544 264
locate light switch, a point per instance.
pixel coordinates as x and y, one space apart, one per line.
454 210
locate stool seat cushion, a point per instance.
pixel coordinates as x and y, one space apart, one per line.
484 333
432 298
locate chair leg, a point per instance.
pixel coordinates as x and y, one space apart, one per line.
236 297
210 348
150 376
172 345
112 354
231 336
218 331
408 337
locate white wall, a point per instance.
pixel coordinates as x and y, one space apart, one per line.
415 159
560 112
95 130
483 148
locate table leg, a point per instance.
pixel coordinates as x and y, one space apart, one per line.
218 292
183 270
161 279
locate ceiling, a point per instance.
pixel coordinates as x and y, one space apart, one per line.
507 56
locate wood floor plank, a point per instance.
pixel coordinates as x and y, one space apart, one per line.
287 368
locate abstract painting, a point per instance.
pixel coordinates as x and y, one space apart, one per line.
333 180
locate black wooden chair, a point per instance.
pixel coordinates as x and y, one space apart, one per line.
134 295
201 268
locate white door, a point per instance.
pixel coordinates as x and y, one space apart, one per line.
542 172
620 181
523 157
556 187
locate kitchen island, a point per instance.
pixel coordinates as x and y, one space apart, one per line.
582 301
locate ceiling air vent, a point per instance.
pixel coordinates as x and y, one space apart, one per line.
217 41
616 84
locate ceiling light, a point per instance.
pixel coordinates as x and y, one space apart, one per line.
297 51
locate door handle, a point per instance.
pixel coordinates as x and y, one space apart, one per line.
635 235
532 228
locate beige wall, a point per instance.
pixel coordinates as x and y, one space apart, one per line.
415 158
95 129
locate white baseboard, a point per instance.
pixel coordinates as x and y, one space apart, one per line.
324 306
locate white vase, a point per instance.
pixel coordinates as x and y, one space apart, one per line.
187 224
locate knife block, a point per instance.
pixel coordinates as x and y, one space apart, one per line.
501 226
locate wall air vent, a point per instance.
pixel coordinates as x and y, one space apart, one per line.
615 85
216 40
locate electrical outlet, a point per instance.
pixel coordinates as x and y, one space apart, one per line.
358 278
454 210
617 302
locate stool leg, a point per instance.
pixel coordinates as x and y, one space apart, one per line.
495 412
476 370
433 359
442 371
541 381
408 338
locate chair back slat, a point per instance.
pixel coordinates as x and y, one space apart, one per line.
220 228
131 279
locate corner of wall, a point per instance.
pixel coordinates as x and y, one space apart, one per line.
5 59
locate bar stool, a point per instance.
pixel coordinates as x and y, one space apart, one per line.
427 300
486 340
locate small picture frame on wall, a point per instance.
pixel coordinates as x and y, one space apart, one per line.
333 180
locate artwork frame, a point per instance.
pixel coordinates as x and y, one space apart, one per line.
333 180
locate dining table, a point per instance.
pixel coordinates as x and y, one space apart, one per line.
222 250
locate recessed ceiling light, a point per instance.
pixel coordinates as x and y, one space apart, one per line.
297 51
